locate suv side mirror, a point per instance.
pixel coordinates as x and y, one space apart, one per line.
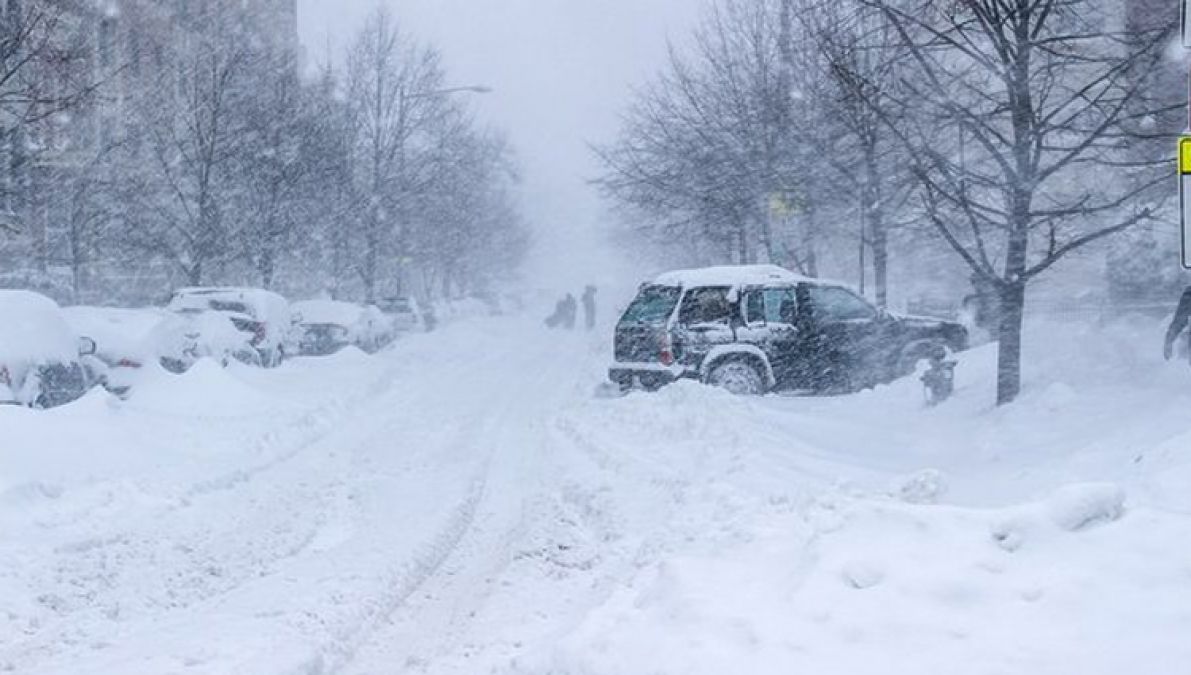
87 347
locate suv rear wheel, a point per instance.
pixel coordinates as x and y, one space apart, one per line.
738 377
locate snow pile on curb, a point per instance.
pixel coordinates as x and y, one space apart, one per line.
854 586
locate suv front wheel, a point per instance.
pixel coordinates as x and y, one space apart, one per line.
737 377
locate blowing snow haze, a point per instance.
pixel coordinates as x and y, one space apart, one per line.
561 73
551 337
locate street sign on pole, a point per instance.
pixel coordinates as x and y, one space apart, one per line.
1185 196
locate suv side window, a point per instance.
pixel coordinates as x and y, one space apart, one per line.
838 304
755 307
706 305
781 305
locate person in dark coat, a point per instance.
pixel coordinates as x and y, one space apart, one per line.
570 310
589 307
1182 316
558 317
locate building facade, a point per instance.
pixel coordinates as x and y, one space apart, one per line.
52 161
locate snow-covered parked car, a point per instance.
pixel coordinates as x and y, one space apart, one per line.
405 312
126 340
41 357
750 329
324 327
262 318
185 337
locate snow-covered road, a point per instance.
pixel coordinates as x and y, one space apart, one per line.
465 504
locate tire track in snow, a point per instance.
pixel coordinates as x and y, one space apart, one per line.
497 522
90 576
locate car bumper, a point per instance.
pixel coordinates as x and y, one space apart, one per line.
646 375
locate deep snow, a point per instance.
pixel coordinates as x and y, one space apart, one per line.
440 508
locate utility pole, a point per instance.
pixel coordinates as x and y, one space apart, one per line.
1184 156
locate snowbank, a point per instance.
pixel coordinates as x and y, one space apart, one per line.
207 390
443 509
854 586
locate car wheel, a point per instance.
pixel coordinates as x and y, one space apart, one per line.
737 377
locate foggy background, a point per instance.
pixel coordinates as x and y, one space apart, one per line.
561 72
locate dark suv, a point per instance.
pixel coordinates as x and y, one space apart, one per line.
752 329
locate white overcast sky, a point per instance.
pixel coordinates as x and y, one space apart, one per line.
561 71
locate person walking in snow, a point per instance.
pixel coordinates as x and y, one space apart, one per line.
589 307
570 310
558 318
1182 316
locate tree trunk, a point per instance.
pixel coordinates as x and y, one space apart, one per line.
194 274
880 242
767 237
1012 315
810 243
267 266
369 274
878 238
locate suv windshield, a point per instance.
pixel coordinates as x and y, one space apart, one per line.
837 304
653 305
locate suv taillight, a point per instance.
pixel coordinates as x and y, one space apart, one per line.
666 351
5 378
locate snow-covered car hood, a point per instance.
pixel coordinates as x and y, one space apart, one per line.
922 321
33 331
118 333
205 333
327 312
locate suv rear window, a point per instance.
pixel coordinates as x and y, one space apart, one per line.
652 305
227 306
706 305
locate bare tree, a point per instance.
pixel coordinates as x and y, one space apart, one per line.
275 163
44 72
393 95
1041 91
90 214
469 232
188 132
705 152
736 150
862 58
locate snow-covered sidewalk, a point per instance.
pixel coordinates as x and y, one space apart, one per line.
464 504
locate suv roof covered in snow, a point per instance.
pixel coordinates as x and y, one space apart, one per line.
737 275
